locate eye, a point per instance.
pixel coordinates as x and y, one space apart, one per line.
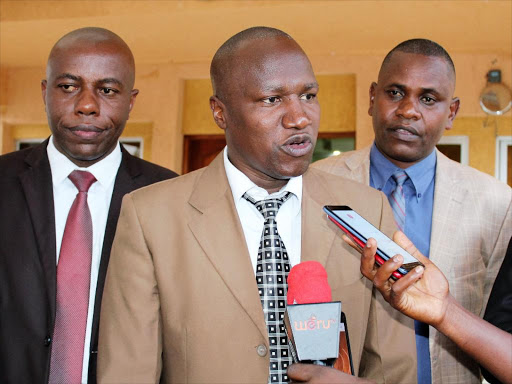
394 93
308 96
68 88
271 100
108 91
428 100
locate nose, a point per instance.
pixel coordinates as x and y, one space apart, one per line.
295 115
408 109
87 103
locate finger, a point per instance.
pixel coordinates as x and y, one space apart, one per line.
368 267
385 271
403 241
352 243
401 285
299 372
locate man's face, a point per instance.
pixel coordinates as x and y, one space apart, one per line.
270 112
88 96
411 106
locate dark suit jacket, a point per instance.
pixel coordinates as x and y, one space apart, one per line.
499 306
28 258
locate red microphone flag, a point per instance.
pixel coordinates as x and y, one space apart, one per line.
307 284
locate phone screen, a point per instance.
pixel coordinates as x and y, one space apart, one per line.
363 230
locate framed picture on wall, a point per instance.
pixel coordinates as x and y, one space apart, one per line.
455 148
504 159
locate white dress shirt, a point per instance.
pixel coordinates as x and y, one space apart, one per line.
288 218
98 199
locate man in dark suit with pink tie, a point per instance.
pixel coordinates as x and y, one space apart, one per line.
56 234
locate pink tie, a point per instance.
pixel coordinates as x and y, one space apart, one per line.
73 279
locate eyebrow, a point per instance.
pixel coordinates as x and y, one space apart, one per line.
68 76
280 89
403 87
311 85
110 80
107 80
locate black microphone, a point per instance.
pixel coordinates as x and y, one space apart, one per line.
316 326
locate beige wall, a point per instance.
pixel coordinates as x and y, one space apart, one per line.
160 103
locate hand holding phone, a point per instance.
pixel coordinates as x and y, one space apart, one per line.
360 230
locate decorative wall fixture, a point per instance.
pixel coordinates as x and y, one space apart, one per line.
496 97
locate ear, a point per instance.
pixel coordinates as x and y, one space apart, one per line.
133 96
454 108
218 110
372 97
43 90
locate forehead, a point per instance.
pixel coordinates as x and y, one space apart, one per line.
272 63
90 61
416 70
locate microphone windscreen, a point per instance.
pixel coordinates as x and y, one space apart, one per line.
307 284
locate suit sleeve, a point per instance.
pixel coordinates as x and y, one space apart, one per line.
496 258
499 308
389 354
130 345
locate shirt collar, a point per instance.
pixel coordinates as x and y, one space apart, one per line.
241 184
421 173
104 170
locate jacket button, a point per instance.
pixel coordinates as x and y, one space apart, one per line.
262 350
47 341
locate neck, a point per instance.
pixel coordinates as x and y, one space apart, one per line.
268 183
399 163
261 179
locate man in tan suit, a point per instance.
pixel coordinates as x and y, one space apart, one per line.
456 215
181 302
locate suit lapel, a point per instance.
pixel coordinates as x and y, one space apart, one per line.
449 195
37 186
219 233
317 237
124 183
359 165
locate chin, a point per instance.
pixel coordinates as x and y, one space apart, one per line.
294 172
85 158
407 158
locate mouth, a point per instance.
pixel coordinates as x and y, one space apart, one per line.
85 131
404 132
298 145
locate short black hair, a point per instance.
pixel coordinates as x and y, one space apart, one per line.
423 47
219 67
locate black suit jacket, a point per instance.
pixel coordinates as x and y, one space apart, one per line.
28 258
499 306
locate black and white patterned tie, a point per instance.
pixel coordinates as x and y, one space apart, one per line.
272 270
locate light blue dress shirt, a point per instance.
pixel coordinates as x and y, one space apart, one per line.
419 201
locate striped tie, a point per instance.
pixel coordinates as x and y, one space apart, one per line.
397 198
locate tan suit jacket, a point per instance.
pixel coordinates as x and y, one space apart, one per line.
181 300
471 227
